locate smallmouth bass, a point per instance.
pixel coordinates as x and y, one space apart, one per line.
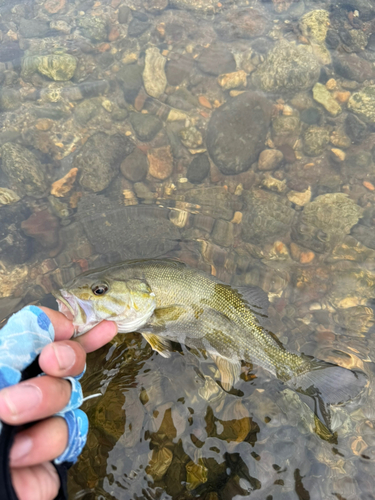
166 301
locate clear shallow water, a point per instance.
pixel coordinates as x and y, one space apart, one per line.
237 137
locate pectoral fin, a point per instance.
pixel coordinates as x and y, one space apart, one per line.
159 344
229 370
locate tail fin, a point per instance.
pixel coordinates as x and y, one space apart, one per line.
324 384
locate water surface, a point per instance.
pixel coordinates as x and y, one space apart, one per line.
239 138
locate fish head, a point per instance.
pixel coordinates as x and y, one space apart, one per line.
92 298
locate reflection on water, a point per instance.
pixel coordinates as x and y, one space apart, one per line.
238 137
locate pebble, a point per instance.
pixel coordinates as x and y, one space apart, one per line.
113 34
107 105
154 78
295 251
191 137
62 187
338 155
203 101
342 96
269 159
43 124
323 97
331 84
54 6
306 257
160 162
233 80
300 198
339 139
274 184
368 185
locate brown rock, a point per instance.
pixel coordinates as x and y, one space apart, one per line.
113 34
269 159
203 101
43 124
62 187
306 257
53 6
160 162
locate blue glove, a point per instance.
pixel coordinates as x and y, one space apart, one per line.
21 341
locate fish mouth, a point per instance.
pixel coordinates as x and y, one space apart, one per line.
67 308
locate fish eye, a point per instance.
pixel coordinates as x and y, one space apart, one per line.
99 289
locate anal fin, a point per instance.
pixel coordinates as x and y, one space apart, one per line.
229 371
159 344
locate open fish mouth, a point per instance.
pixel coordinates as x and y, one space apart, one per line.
67 308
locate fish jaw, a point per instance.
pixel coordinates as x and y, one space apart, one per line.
82 313
79 311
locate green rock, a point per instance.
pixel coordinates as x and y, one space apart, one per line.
145 126
285 125
288 67
266 216
119 114
191 137
314 25
94 28
9 99
86 110
315 140
325 98
23 170
58 67
362 103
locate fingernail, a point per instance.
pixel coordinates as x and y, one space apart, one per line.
22 398
65 355
22 446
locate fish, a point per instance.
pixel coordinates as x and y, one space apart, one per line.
167 301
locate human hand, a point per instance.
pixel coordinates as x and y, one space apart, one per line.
33 475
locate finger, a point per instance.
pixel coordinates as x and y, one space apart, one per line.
100 335
63 326
33 399
63 359
42 442
39 482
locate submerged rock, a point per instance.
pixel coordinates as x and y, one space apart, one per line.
362 103
154 78
145 126
130 232
288 67
94 28
325 98
58 67
8 196
314 25
99 160
216 59
315 140
195 5
15 247
237 131
241 23
23 170
130 80
266 216
198 169
325 221
135 166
